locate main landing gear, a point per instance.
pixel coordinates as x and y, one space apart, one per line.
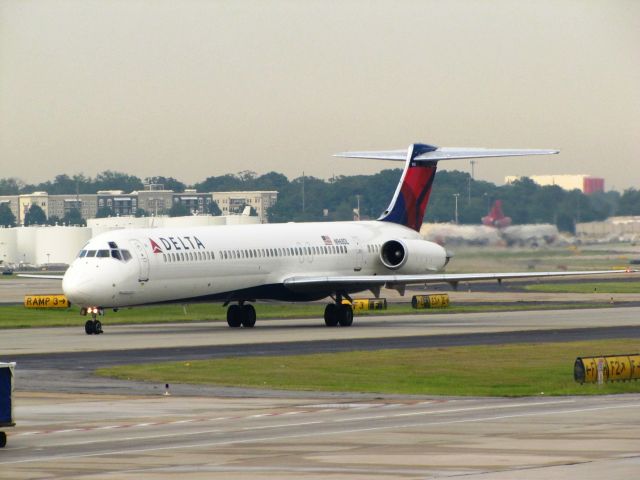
93 326
241 315
338 314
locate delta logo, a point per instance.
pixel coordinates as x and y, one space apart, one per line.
155 247
187 242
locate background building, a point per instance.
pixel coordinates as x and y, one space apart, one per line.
153 200
231 203
585 183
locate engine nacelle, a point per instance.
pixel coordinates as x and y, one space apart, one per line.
413 256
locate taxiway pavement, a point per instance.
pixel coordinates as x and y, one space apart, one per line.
106 437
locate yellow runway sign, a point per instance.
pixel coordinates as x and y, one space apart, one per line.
46 301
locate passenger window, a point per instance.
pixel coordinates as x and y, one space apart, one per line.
91 253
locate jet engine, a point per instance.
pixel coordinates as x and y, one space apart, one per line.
412 256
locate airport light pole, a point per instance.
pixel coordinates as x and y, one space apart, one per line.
456 195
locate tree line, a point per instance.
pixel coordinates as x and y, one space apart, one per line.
313 199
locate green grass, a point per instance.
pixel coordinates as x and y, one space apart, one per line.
15 316
503 370
590 287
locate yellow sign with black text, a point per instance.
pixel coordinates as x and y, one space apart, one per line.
46 301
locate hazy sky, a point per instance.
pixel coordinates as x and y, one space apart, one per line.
192 89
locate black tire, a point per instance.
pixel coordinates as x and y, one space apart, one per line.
89 327
234 316
345 315
331 315
97 327
248 316
3 439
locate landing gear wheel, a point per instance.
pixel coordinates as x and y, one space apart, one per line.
97 327
248 316
3 439
345 315
89 327
331 315
234 316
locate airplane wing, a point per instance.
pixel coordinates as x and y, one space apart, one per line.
363 282
45 277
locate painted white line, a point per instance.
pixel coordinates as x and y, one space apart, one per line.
177 422
298 435
283 425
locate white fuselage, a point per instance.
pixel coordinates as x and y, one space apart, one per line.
245 262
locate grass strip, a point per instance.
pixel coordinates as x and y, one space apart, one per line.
16 316
586 287
504 370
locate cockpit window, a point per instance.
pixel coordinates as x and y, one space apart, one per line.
91 253
82 253
116 254
126 256
113 245
103 253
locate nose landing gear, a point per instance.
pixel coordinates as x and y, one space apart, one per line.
93 326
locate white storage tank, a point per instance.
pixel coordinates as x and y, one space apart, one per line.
186 221
101 225
60 244
241 220
26 244
8 246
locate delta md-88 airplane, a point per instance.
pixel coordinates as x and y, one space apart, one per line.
239 264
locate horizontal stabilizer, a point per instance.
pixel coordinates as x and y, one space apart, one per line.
445 153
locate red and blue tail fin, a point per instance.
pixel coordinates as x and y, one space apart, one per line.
412 195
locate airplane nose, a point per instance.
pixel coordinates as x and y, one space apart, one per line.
74 288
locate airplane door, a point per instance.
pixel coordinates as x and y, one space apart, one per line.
143 261
359 255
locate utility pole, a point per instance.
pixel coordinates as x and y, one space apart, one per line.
303 191
456 195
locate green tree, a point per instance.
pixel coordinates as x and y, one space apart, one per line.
74 217
110 180
141 212
104 212
178 210
7 218
629 202
35 216
168 183
214 209
10 186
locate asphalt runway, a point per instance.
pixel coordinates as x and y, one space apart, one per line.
73 424
107 437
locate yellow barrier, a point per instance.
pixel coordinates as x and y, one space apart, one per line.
368 303
436 300
614 368
46 301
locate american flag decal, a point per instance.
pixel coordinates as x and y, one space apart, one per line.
327 240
